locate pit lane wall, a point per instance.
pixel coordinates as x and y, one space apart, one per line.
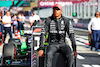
82 23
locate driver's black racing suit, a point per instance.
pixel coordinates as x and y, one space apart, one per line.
57 29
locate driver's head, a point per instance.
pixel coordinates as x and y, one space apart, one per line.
57 10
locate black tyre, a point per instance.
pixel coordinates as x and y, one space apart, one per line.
8 52
58 60
15 41
17 44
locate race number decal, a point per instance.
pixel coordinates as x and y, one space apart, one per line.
37 39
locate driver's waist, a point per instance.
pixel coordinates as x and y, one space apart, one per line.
57 41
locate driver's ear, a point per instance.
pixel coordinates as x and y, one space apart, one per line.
61 11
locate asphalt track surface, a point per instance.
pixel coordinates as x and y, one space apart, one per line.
85 57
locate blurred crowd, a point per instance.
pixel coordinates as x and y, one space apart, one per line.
16 19
9 23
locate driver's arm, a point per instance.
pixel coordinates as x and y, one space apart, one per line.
44 32
70 31
42 38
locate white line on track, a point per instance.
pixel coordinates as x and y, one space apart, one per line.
85 37
95 65
80 29
86 65
80 57
98 53
80 43
82 40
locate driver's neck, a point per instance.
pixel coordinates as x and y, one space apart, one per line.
56 17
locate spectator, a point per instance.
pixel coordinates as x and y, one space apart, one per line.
36 19
6 20
31 19
19 16
57 26
0 18
0 23
14 19
23 18
95 23
2 27
19 22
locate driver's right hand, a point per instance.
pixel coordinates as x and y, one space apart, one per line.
41 53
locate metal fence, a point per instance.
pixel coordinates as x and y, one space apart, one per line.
84 10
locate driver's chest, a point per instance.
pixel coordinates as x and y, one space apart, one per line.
57 26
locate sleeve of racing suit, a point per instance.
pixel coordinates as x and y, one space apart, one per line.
70 31
43 33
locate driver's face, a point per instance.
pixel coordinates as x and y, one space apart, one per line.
57 12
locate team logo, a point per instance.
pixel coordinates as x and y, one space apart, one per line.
62 22
62 25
